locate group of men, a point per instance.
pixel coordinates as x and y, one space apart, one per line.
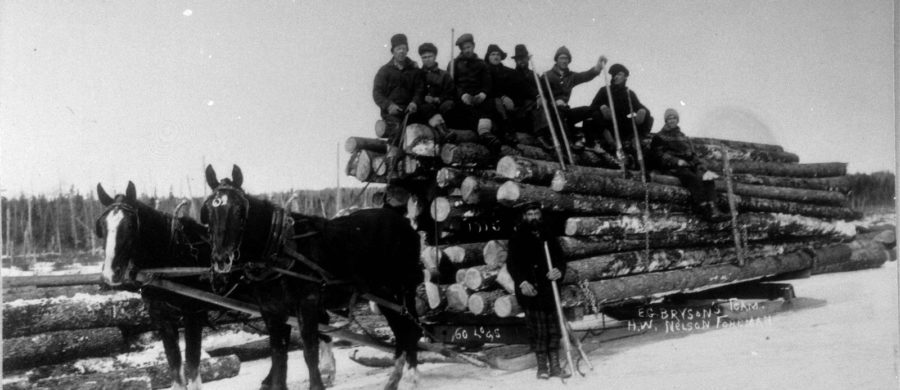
498 102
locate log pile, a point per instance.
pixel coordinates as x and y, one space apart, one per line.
64 332
625 239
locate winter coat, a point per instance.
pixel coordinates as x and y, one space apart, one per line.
523 86
393 85
471 75
620 101
563 81
526 262
439 84
669 146
502 81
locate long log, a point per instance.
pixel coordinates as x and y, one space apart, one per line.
753 204
593 184
371 357
534 152
775 225
513 192
475 229
354 144
683 280
51 280
831 169
448 177
444 207
581 247
636 262
838 184
736 144
480 277
507 306
60 346
852 256
31 292
714 152
457 297
466 255
482 303
211 369
466 154
29 317
494 253
475 190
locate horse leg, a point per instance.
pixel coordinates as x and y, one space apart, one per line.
279 337
397 324
193 329
168 332
411 335
309 333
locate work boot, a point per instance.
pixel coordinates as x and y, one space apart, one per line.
542 369
555 370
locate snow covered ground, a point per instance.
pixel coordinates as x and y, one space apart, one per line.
850 342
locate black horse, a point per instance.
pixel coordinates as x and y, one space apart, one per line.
140 237
371 251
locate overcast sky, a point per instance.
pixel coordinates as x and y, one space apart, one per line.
109 91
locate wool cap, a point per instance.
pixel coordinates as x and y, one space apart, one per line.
562 50
397 40
616 68
427 47
670 112
465 38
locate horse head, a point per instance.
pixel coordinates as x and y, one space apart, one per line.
225 211
119 226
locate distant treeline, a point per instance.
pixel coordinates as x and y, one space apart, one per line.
65 223
872 190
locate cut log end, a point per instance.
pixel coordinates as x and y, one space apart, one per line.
508 192
507 306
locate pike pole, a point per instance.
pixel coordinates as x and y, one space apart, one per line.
563 325
556 146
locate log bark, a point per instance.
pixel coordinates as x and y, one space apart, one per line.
445 207
534 152
512 192
775 225
30 292
682 280
581 247
466 154
636 262
480 277
752 204
737 144
831 169
60 346
418 140
853 256
24 318
354 144
466 255
836 184
457 297
505 280
714 152
507 306
211 369
371 357
448 177
482 303
254 350
51 280
475 190
494 253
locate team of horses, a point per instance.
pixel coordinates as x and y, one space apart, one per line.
287 264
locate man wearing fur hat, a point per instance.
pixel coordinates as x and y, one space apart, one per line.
473 85
629 112
672 152
528 267
439 91
562 81
398 90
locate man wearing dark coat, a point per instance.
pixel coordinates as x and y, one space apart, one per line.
473 82
398 90
527 265
673 153
524 93
503 87
439 91
629 113
562 81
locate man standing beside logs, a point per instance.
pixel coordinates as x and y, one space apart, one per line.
528 267
672 152
398 91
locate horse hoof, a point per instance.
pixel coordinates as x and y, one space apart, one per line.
410 379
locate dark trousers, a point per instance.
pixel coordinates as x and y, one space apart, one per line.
544 328
692 179
570 117
463 116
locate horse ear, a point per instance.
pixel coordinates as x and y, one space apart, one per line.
130 192
237 177
211 180
105 199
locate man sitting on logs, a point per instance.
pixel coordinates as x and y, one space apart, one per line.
439 91
398 91
562 81
473 85
528 267
628 109
502 79
672 152
524 93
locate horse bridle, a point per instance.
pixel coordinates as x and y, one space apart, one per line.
214 234
121 206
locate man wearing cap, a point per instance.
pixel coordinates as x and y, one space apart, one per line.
398 90
562 81
502 79
439 91
473 85
672 152
527 265
629 112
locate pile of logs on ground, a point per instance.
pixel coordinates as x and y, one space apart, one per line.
62 332
623 239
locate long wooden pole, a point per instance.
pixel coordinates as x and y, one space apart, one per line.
732 208
556 146
563 329
559 121
452 53
337 200
612 108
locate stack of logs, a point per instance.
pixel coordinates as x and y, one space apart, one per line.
623 239
64 331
